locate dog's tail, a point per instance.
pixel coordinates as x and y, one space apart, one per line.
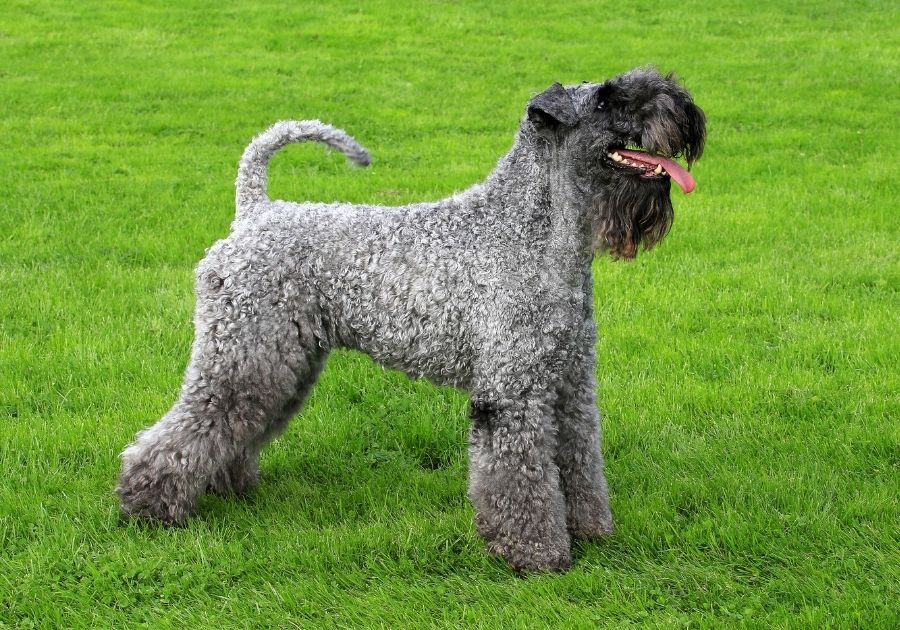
252 176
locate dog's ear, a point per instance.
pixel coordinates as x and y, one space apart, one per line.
552 107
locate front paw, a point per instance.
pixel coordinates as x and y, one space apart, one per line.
532 556
590 520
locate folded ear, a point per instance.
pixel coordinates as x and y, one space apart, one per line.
553 106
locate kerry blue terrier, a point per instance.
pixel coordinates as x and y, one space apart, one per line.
488 290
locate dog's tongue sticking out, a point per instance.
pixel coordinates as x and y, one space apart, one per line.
673 168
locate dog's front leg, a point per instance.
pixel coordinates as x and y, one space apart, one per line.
514 482
578 453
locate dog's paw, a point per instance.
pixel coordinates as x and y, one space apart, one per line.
236 479
529 556
590 522
156 498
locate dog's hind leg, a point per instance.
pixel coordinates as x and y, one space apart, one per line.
231 404
241 474
249 370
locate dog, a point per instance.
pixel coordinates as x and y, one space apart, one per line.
488 290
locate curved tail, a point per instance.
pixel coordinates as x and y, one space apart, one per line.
252 179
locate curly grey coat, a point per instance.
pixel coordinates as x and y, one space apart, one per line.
488 290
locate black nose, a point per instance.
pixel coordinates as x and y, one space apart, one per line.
694 132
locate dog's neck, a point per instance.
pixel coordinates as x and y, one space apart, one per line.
532 177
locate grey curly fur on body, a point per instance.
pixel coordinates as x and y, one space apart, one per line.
489 290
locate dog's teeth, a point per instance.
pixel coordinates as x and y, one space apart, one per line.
658 169
615 156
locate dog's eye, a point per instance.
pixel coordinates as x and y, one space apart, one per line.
601 104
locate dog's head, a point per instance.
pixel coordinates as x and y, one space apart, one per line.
616 143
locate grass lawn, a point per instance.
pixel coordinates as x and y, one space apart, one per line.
748 366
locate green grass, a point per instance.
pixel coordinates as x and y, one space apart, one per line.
748 366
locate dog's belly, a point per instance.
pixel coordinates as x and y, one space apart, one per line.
418 326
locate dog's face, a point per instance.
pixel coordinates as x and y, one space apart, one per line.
617 142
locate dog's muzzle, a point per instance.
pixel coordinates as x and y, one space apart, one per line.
654 166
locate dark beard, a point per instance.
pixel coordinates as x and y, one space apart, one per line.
633 210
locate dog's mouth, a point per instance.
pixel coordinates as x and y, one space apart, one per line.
652 166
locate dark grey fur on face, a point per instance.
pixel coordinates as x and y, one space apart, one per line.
584 123
488 290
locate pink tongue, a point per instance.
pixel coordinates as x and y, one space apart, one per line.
673 168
